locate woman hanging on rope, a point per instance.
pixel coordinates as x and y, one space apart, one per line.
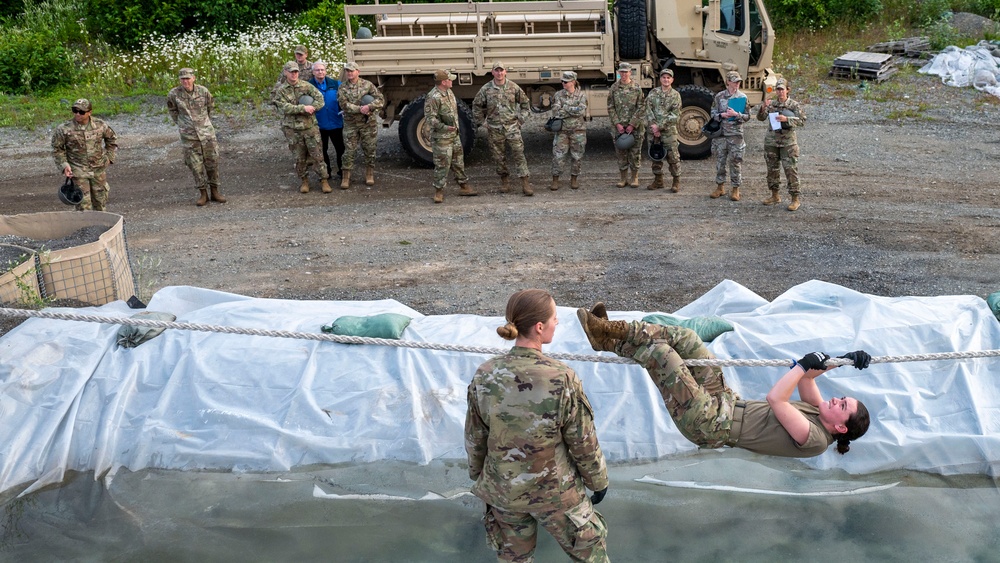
710 414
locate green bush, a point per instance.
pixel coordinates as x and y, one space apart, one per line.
817 14
32 61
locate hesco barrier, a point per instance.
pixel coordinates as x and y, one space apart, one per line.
94 273
20 284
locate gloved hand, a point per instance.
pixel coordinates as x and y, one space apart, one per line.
599 496
860 358
814 360
621 128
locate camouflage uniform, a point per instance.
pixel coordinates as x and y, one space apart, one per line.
359 129
781 148
441 112
192 113
626 107
663 108
729 147
88 149
533 451
503 109
571 140
300 127
305 74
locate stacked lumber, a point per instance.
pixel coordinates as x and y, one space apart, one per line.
856 65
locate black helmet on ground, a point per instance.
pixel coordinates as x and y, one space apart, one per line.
70 193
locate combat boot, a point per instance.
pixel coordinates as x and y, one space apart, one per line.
216 196
574 183
555 183
735 194
676 186
370 176
526 186
326 185
775 198
599 310
796 202
345 181
602 334
439 195
720 190
634 182
504 184
657 182
203 200
465 189
624 180
304 188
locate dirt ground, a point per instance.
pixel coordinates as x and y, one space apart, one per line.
891 207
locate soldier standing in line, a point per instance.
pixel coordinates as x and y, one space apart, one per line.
781 148
298 122
569 105
360 122
503 106
626 110
663 109
528 417
83 148
441 113
305 66
190 106
730 145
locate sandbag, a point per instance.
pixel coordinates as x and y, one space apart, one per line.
708 328
131 336
384 325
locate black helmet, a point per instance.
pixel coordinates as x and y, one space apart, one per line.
625 141
554 125
363 33
787 113
712 128
657 151
367 99
69 193
306 100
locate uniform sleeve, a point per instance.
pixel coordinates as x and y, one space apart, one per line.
379 102
319 101
638 112
674 109
281 102
59 148
800 117
717 105
524 109
210 105
580 436
476 434
172 106
110 143
762 111
575 109
650 114
479 107
432 105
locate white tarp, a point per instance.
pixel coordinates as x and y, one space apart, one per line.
71 399
973 66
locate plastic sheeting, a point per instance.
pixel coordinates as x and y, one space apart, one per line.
973 66
72 400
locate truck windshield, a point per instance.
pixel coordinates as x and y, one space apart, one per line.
731 19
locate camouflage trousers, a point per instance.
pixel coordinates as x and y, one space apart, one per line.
95 191
697 398
500 139
305 145
673 157
729 150
782 157
363 134
202 157
581 531
570 144
448 155
632 158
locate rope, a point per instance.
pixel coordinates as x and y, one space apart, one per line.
132 321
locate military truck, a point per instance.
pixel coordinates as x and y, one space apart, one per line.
701 40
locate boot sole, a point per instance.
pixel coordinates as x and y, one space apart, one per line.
582 315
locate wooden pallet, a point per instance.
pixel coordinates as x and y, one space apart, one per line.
912 47
865 66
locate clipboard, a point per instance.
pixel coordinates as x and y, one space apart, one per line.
739 105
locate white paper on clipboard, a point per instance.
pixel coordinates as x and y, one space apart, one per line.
773 117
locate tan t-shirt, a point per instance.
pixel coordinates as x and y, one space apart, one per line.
763 434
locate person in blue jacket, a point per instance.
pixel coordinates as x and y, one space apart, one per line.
330 120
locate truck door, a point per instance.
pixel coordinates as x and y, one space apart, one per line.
726 35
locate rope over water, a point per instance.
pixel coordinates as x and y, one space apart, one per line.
132 321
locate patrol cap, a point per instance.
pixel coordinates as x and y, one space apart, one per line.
782 84
666 71
442 75
568 76
498 64
185 73
351 66
82 104
624 67
291 66
733 76
301 50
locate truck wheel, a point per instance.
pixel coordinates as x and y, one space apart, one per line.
631 29
414 134
696 110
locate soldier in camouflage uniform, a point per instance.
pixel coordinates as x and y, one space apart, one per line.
569 105
532 445
190 106
503 106
360 122
711 415
781 148
663 109
83 148
441 113
627 113
730 145
298 122
305 66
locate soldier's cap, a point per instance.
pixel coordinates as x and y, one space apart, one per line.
82 104
782 84
442 75
351 66
568 76
733 76
666 71
624 67
301 50
291 67
185 73
498 64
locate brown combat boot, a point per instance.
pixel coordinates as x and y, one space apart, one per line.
599 310
555 183
720 190
466 190
735 194
634 182
526 186
602 334
438 195
304 188
345 180
325 184
775 198
676 186
203 200
216 196
796 202
624 180
657 182
504 184
370 176
574 183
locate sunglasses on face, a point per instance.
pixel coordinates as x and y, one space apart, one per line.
79 111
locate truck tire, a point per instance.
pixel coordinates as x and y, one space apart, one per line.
631 29
415 137
696 110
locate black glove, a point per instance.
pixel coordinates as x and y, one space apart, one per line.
860 358
599 496
813 360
